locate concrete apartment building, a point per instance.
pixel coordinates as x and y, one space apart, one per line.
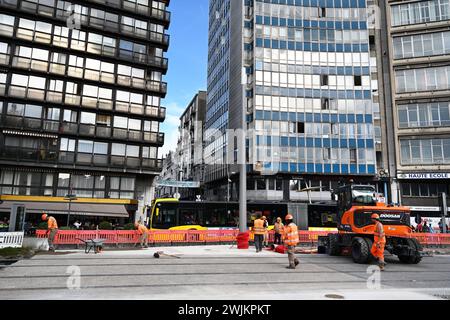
186 163
81 84
419 51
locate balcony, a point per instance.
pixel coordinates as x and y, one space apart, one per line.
96 103
156 112
28 93
69 128
117 162
154 137
4 58
157 86
18 154
99 76
9 3
143 58
18 122
146 10
30 64
36 8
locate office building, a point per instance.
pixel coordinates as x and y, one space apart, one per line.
304 74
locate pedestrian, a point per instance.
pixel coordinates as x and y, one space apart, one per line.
266 234
431 228
258 232
441 226
143 231
77 225
52 230
291 240
379 241
278 227
420 227
425 228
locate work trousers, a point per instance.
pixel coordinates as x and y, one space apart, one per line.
51 239
291 256
266 239
258 242
277 239
144 239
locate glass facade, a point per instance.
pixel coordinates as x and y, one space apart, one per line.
80 95
310 87
218 93
313 88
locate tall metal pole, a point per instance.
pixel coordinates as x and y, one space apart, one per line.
444 212
243 173
228 185
242 141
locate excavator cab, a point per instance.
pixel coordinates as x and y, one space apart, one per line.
349 196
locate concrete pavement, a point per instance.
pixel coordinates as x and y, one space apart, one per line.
218 273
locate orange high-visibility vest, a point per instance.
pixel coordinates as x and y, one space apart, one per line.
379 235
258 227
291 235
279 227
51 223
142 229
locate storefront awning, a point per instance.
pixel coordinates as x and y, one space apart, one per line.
80 209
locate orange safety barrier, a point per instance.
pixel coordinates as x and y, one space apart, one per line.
70 237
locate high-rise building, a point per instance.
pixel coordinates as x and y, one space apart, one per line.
80 98
419 52
190 144
186 163
304 74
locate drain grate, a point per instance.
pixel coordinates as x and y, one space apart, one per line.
334 296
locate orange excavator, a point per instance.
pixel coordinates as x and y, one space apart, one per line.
356 205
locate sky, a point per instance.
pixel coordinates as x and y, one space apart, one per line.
188 57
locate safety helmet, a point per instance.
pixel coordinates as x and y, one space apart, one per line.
289 217
375 216
44 216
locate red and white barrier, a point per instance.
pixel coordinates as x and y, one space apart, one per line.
202 237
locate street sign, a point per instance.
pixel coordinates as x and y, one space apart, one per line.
179 184
424 176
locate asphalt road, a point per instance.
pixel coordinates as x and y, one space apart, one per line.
217 273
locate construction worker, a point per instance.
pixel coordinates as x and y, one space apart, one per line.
291 240
143 231
379 241
52 230
278 227
259 231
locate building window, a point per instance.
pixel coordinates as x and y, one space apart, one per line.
423 190
358 81
425 151
6 25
